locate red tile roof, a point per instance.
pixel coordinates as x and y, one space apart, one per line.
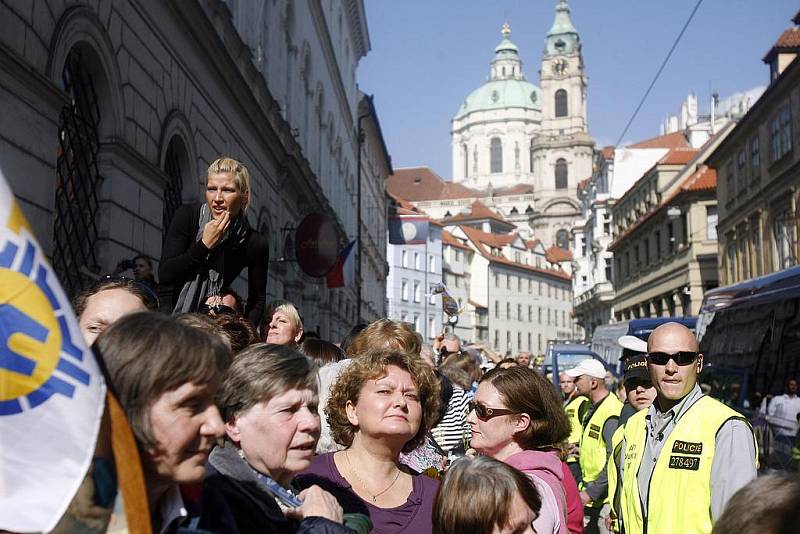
703 179
516 189
421 183
608 152
788 41
673 140
478 210
450 239
555 254
679 156
531 243
482 239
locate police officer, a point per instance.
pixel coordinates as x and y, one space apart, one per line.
599 425
686 455
639 395
576 407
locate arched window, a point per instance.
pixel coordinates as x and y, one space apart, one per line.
175 165
77 174
496 154
562 239
561 103
561 173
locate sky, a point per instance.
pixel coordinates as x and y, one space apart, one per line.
428 55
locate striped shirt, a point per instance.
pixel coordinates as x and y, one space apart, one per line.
453 430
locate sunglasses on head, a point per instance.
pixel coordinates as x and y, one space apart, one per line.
485 413
684 357
219 309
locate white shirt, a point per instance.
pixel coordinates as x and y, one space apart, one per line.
782 414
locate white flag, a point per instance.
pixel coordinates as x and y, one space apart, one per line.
51 389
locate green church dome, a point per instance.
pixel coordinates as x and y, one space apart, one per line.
500 94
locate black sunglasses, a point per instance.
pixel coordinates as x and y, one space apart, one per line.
219 309
485 413
684 357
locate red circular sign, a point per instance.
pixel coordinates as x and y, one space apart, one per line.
316 245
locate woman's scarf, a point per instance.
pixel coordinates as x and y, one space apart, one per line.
208 281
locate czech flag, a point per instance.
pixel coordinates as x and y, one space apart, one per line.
51 389
408 230
344 272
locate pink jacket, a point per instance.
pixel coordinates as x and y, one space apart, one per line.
548 467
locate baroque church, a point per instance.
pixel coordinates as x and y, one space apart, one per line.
519 148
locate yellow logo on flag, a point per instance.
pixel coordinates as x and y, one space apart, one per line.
37 356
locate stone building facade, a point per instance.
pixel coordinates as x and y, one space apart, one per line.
759 180
113 110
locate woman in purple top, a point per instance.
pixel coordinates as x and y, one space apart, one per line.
382 404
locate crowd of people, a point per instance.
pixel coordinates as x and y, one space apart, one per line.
246 422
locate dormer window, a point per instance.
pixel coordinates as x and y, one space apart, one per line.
560 44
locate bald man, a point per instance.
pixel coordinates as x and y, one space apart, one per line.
686 455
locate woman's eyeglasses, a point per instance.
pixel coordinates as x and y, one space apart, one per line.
484 413
683 357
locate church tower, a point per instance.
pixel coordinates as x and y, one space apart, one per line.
561 153
563 78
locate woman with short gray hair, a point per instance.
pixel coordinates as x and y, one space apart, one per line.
268 401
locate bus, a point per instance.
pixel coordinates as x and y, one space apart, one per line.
749 334
564 355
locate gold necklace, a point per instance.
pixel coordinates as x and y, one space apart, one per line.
375 496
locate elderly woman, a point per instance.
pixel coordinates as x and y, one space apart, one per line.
517 418
386 334
166 375
381 405
282 325
209 244
268 400
485 495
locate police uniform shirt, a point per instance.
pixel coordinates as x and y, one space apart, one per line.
732 467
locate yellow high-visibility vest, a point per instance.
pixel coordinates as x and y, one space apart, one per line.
593 457
679 498
573 410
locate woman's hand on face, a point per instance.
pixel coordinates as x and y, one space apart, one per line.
317 503
215 229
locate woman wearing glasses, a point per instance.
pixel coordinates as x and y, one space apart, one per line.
517 418
209 244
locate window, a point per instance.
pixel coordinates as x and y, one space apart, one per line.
539 313
529 342
731 263
757 247
562 239
417 324
730 182
711 222
496 280
417 263
636 257
458 255
431 296
561 103
404 260
741 169
496 309
404 290
607 223
561 173
404 317
519 340
530 314
519 312
431 326
583 247
496 155
563 318
508 281
646 247
548 316
657 244
783 230
607 262
417 291
780 133
671 236
519 284
755 158
432 264
508 339
508 311
530 286
496 338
